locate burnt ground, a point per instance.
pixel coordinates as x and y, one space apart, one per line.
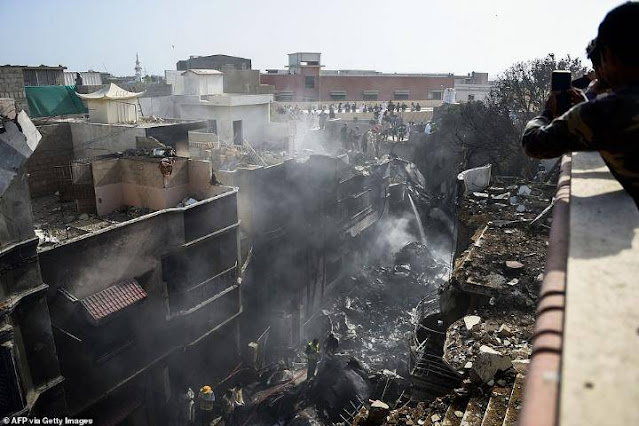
373 323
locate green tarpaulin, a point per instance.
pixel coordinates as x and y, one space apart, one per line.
49 101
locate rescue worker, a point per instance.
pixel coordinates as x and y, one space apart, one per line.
206 400
365 138
187 413
343 135
401 132
322 120
312 352
228 406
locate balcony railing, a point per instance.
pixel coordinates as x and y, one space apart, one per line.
584 367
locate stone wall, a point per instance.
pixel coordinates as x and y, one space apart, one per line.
12 86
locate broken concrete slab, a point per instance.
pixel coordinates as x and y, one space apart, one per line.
504 331
521 365
489 362
514 264
470 321
524 190
377 413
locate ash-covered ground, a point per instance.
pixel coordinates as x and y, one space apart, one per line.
374 320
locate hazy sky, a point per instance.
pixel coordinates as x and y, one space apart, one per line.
393 36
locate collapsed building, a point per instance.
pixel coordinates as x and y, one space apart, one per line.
145 256
173 254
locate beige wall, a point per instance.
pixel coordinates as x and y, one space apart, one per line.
138 182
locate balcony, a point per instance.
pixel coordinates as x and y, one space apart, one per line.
584 367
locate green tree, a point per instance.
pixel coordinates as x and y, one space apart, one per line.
490 131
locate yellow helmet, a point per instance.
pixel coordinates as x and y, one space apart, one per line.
206 389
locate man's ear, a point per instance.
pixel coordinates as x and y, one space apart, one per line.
609 59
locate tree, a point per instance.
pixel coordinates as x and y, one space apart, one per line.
523 88
490 131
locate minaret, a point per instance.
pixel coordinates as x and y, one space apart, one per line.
138 68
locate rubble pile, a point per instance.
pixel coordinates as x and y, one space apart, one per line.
493 289
481 347
56 220
506 258
374 321
230 157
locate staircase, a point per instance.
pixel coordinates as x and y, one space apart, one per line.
502 408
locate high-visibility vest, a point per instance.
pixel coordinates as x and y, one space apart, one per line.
312 351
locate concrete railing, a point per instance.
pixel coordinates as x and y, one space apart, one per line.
584 368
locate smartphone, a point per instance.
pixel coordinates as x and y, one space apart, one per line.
560 80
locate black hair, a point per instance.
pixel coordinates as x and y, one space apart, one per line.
620 34
593 53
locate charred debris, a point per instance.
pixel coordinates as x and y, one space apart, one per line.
429 293
438 333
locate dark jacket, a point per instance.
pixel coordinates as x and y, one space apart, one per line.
608 124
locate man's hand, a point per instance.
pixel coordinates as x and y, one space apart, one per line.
575 96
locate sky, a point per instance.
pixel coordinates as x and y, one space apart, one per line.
428 36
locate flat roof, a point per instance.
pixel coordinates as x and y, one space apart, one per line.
35 67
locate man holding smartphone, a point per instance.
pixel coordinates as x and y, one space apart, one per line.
609 123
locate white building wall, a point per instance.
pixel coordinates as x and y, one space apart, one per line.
175 79
207 84
254 118
158 106
479 91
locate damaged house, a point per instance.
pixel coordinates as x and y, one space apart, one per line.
30 374
134 303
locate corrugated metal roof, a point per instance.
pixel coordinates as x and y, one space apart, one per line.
113 299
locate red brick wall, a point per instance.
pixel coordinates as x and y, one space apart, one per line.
385 84
354 85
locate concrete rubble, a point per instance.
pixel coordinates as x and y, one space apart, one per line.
498 277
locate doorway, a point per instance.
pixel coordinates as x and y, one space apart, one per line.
237 132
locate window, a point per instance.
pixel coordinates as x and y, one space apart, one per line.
212 126
401 94
371 95
309 82
435 94
338 95
284 97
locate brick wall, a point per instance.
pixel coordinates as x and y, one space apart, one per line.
355 85
12 86
55 149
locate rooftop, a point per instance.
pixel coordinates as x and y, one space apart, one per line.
36 67
203 72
